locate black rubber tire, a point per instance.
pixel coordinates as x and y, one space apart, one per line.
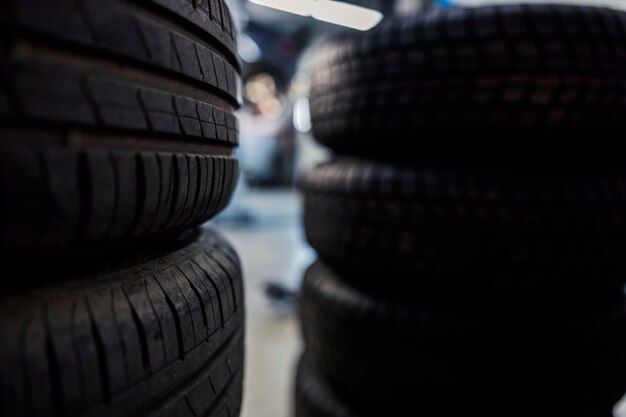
150 335
479 227
93 198
457 359
117 121
81 95
193 41
314 398
545 74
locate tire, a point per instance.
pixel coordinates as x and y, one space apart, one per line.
546 75
179 39
118 118
150 335
314 398
86 199
471 228
450 358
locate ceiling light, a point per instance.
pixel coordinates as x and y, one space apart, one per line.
345 14
336 12
299 7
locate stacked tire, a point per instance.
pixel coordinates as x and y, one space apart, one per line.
470 230
118 135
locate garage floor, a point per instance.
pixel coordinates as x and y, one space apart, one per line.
264 228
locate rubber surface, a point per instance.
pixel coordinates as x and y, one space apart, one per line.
191 40
95 65
547 75
413 353
84 198
155 335
61 92
117 122
314 398
472 227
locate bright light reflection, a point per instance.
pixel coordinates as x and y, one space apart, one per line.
336 12
302 115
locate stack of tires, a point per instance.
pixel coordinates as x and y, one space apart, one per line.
117 138
471 230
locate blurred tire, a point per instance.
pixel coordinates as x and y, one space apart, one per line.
314 398
477 227
155 334
475 79
445 357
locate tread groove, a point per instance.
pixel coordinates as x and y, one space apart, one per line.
93 104
119 331
117 190
115 185
175 190
140 179
157 210
85 196
230 280
217 292
142 38
177 321
74 342
199 297
196 197
195 49
105 378
158 321
141 331
193 328
26 383
55 382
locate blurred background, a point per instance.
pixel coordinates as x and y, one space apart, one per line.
276 147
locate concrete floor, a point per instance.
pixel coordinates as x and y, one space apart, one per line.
264 228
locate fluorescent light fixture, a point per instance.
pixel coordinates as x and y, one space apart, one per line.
336 12
299 7
346 14
615 4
